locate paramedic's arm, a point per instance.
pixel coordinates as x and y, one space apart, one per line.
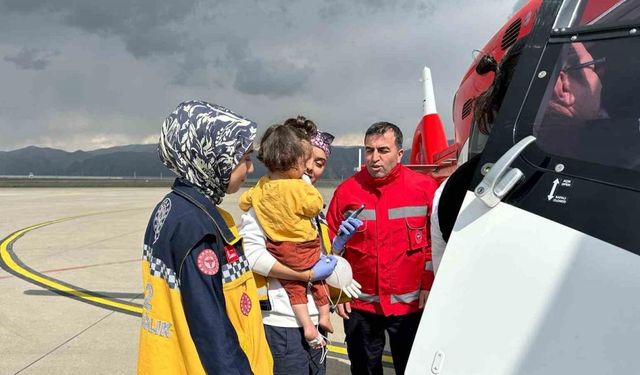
260 260
203 301
437 242
428 274
427 278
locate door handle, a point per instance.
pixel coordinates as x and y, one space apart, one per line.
501 178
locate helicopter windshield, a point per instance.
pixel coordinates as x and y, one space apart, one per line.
576 14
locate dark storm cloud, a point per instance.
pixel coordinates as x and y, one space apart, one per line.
31 59
271 78
192 70
337 8
124 64
147 27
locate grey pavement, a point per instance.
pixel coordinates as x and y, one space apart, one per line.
45 333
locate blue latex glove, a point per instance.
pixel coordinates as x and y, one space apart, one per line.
347 229
324 267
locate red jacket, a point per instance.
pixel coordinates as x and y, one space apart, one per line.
391 252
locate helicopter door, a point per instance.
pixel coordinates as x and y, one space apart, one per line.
541 274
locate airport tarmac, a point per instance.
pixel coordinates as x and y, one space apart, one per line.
90 242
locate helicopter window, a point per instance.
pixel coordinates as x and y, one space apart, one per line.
477 140
591 106
597 13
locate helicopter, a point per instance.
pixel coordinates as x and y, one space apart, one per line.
541 272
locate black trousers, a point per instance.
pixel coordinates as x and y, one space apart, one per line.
366 340
291 353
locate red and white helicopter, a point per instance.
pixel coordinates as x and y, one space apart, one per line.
541 274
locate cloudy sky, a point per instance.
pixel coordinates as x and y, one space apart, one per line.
87 74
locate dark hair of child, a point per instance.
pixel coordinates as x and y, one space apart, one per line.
282 146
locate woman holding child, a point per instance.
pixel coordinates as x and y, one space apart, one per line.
284 231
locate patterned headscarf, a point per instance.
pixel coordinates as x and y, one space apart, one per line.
203 143
322 140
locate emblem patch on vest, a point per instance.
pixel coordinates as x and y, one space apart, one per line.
208 262
231 253
418 237
161 216
245 304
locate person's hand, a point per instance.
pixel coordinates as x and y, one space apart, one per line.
323 267
353 289
424 294
343 310
346 230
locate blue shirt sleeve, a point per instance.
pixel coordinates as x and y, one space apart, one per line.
204 305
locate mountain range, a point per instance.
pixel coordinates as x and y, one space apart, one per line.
138 160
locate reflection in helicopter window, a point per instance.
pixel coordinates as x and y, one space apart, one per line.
591 110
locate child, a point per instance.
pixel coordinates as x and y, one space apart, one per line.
285 205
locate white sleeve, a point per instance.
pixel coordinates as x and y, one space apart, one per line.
437 242
254 244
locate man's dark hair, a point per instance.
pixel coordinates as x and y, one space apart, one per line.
380 128
281 147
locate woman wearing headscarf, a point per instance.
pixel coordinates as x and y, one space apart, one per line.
201 312
291 352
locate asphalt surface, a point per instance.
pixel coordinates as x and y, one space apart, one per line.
95 249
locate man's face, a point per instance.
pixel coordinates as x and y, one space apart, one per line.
587 91
381 153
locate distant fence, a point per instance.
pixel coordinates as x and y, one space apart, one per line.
92 181
83 181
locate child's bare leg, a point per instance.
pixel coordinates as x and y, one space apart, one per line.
324 321
302 314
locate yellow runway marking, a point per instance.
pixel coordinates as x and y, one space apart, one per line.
11 262
342 350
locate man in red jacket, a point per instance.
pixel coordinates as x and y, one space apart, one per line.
390 252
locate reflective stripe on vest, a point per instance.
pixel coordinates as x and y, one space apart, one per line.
395 298
369 297
367 215
405 298
409 211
